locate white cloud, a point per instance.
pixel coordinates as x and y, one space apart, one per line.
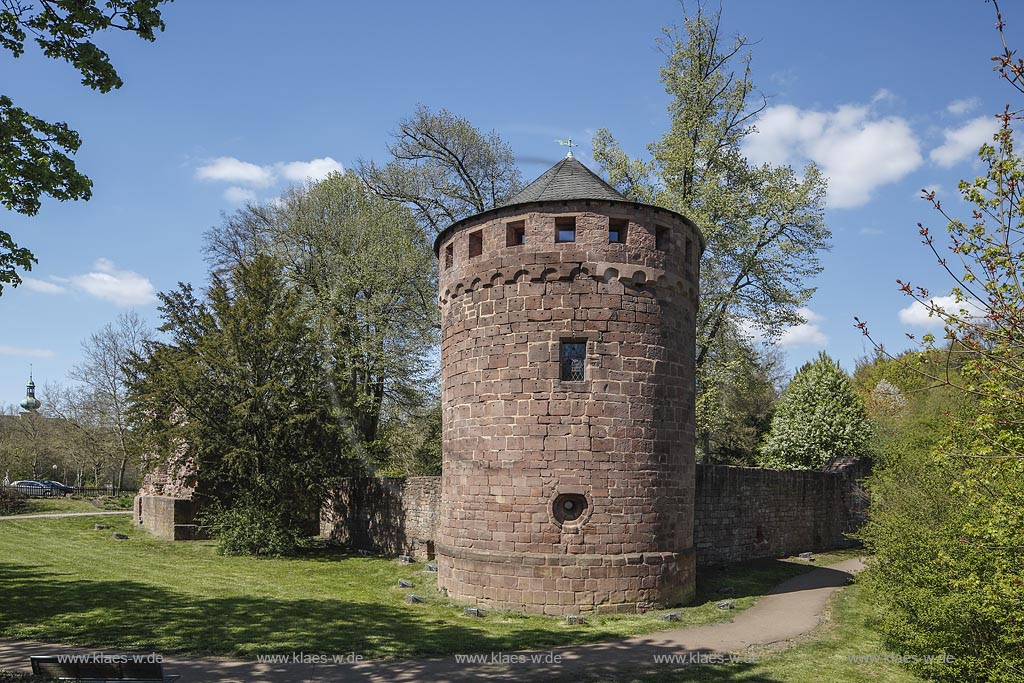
41 286
25 352
917 313
123 287
317 169
231 170
872 231
882 95
960 107
805 334
239 195
962 142
244 175
857 150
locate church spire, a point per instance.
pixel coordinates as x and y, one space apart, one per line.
30 403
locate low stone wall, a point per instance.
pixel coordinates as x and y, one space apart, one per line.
744 513
740 513
172 519
394 516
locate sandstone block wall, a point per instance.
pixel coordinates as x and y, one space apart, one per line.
172 519
519 441
393 516
741 513
745 513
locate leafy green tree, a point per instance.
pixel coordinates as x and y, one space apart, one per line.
764 225
444 169
819 418
35 154
366 276
737 399
241 392
949 540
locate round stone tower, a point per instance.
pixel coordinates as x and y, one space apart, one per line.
567 384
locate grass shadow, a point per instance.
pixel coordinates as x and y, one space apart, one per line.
136 616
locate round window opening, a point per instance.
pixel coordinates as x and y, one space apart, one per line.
569 507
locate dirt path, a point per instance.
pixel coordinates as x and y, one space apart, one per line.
56 515
792 608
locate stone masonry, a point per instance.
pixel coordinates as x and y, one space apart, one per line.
395 516
746 513
567 494
740 513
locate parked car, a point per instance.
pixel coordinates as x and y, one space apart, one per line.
35 489
58 488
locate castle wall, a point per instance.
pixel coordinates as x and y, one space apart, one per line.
172 519
394 516
520 442
741 513
745 513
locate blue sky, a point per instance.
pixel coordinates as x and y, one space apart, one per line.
238 99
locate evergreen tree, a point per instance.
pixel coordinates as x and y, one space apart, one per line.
240 394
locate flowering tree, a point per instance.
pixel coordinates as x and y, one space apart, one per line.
950 541
818 419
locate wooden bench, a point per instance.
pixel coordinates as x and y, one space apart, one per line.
100 671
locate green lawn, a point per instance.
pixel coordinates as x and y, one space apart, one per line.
39 506
824 656
63 582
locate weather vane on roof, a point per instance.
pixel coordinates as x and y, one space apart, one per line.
567 143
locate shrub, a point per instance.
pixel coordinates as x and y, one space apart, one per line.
818 418
19 677
11 501
251 529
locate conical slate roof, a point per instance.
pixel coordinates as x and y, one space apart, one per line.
568 179
565 181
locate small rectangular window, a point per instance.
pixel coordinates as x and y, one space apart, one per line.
565 229
515 233
449 255
661 238
617 230
689 253
476 243
573 358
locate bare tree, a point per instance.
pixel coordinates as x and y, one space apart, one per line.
444 169
102 401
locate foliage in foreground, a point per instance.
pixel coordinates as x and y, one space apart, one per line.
818 419
949 538
35 155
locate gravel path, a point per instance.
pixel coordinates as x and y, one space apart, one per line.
57 515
